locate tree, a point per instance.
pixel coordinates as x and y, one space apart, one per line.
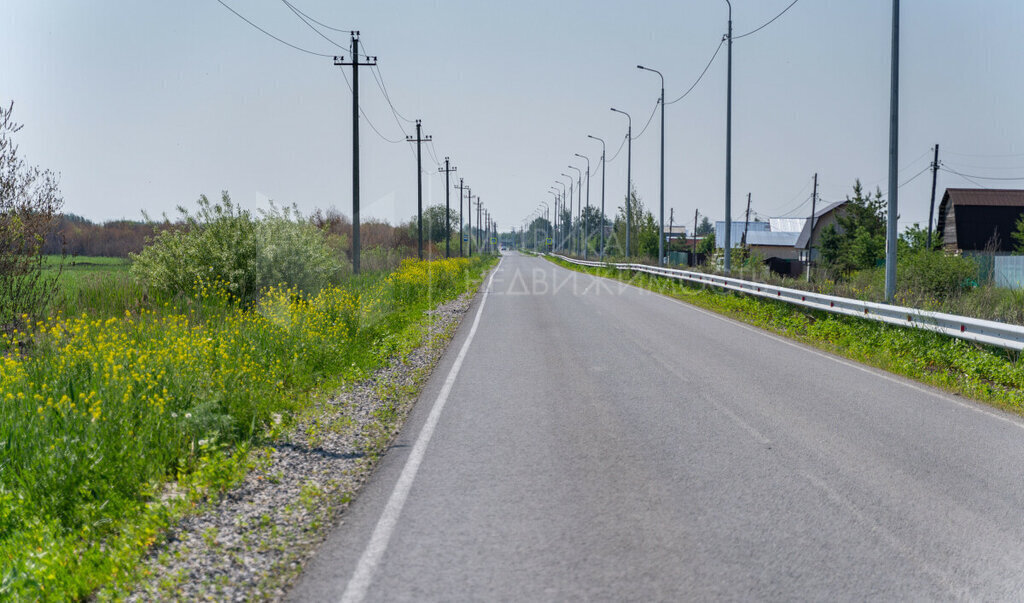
915 238
434 224
707 244
638 224
705 227
30 202
857 240
1018 235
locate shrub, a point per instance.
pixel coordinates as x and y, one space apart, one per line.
225 244
29 203
935 274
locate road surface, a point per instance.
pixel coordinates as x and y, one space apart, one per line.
601 442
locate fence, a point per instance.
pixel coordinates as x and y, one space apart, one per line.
988 332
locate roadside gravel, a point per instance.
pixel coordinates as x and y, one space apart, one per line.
250 545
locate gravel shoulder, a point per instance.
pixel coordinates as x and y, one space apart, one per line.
252 542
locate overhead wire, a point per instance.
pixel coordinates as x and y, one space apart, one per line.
807 183
945 169
983 177
769 22
363 113
302 18
624 139
649 119
701 76
348 31
299 48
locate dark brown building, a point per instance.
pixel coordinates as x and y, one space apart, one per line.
976 219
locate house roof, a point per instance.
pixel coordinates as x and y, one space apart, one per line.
786 224
737 231
773 239
805 232
986 196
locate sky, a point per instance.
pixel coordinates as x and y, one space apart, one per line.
144 106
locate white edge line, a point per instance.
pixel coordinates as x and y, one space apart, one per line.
359 584
867 369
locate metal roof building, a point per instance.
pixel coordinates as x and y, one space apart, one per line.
976 219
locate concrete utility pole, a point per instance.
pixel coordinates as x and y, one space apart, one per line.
419 139
603 170
340 62
728 153
460 217
894 147
931 208
447 169
810 236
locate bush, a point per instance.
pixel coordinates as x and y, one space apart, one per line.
226 245
935 274
29 203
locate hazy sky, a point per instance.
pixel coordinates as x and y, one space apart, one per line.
146 105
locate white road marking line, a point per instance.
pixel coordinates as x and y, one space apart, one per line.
359 584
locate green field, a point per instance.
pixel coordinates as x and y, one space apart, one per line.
121 392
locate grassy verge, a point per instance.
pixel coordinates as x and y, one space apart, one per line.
984 373
111 427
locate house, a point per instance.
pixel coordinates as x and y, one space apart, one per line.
979 219
738 226
824 217
674 232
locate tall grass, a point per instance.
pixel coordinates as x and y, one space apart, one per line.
97 410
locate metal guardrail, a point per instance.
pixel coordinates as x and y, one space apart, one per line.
988 332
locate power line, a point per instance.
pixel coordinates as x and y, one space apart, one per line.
653 111
944 169
794 197
983 156
347 31
363 113
982 177
380 84
624 138
701 76
768 23
302 18
299 48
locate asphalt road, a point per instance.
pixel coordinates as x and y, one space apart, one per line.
600 442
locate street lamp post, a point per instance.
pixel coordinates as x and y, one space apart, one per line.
559 225
604 169
586 235
568 230
629 178
661 212
579 206
728 152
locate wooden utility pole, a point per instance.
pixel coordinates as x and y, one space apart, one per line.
931 208
810 234
746 225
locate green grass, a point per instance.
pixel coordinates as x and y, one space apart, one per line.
984 373
100 410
